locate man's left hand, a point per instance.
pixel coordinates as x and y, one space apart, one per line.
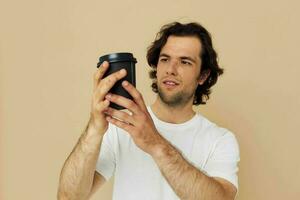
138 123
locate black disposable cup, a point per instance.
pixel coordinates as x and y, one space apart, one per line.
118 61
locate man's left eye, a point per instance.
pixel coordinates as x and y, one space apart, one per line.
186 62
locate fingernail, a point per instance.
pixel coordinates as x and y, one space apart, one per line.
108 96
125 83
107 102
105 63
122 71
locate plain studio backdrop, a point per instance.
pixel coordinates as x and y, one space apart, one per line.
49 51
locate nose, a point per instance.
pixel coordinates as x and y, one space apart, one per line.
172 67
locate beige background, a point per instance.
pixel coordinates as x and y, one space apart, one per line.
48 54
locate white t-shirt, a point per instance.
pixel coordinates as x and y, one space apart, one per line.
212 149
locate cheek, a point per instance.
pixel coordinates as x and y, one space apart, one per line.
191 79
158 73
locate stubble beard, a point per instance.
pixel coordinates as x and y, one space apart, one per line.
178 99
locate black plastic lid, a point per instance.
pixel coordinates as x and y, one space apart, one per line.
117 57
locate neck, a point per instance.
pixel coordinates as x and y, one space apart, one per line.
176 115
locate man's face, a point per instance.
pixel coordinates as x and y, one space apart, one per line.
178 70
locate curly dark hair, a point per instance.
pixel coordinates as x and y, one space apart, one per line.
208 56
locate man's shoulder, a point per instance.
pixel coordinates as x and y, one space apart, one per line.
212 129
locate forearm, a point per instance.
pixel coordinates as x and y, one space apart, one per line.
186 180
77 175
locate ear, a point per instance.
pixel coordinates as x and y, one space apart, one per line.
204 75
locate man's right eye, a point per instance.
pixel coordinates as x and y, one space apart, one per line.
163 59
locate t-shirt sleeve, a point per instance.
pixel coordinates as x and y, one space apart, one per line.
107 158
223 161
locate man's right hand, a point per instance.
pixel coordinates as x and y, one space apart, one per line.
78 178
99 103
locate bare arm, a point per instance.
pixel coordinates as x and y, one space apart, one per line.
99 180
77 175
78 179
186 180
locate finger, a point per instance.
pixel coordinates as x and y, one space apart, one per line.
123 125
123 101
102 106
121 115
136 95
100 72
108 82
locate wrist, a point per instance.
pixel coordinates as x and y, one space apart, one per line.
90 139
93 133
160 149
94 127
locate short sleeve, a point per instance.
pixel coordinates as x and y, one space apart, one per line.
224 158
107 161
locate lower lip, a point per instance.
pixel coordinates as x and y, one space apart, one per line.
170 86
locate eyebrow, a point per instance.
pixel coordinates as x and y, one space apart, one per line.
182 57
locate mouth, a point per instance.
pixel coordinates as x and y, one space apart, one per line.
170 83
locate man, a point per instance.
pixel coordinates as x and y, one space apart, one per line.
163 151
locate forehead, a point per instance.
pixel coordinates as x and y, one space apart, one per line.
179 46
